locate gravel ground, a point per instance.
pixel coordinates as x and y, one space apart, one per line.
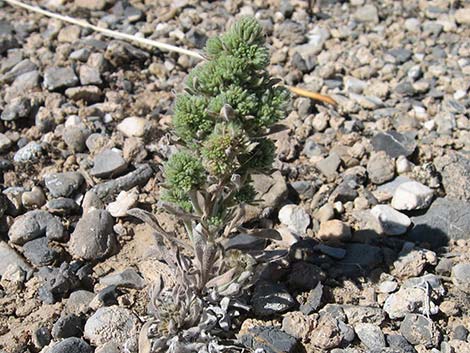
372 196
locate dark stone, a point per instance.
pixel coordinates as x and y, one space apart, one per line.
57 283
344 192
394 143
71 345
313 300
270 340
303 250
405 89
400 54
244 241
39 253
68 326
41 337
63 184
35 224
446 219
107 296
360 259
63 206
57 78
304 276
120 53
197 38
418 329
400 342
271 299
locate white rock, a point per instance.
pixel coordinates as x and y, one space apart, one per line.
132 126
295 218
403 165
412 196
124 201
391 221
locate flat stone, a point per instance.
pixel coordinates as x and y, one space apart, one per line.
128 278
412 196
418 329
39 253
29 153
108 163
412 261
391 221
63 206
9 256
78 302
19 69
63 184
270 340
394 143
5 143
461 276
95 5
380 168
88 94
370 335
295 218
133 126
89 75
271 299
446 219
367 13
71 345
56 78
298 325
329 166
313 301
35 224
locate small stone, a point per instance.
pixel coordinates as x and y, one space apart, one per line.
380 168
455 171
128 278
460 333
63 184
41 337
403 165
336 253
29 153
295 218
370 335
56 78
418 329
68 326
462 16
78 302
298 325
408 300
271 299
80 55
461 276
13 278
391 221
363 256
108 163
334 230
367 13
124 201
412 196
35 224
69 34
325 213
33 198
444 266
399 342
94 5
327 334
394 143
71 345
412 261
89 75
88 94
111 323
388 287
313 301
329 166
39 253
5 143
304 276
356 314
93 237
270 340
133 126
9 257
18 108
63 206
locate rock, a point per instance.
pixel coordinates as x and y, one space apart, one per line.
412 261
357 314
392 222
329 166
63 206
462 16
25 83
298 325
29 153
81 55
386 191
128 278
399 342
460 333
327 334
33 198
35 224
135 178
270 340
334 230
9 257
370 335
78 302
93 237
344 192
59 282
108 163
124 201
394 144
408 300
412 196
304 276
119 53
295 218
387 287
446 219
304 189
19 69
39 253
455 171
56 78
418 329
401 55
68 326
18 108
461 276
367 13
112 323
88 94
5 143
313 301
380 168
63 184
336 253
41 337
271 299
89 75
106 297
13 278
325 213
71 345
245 242
91 4
403 165
133 126
361 257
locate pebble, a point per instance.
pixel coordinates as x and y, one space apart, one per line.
313 301
271 299
394 144
89 75
63 184
399 342
329 166
304 276
108 163
403 165
408 300
75 138
39 253
380 168
29 153
295 218
5 143
367 13
133 126
9 257
270 340
56 78
327 334
418 329
129 278
412 261
93 237
334 230
454 169
462 16
391 221
124 202
33 198
41 337
17 108
71 345
66 326
111 323
35 224
94 5
62 206
370 335
412 196
461 276
89 94
78 302
360 256
356 314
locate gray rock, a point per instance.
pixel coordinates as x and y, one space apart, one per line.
412 196
408 300
411 261
370 335
329 166
108 163
304 189
399 342
295 218
62 206
68 326
128 278
93 237
391 221
25 82
119 53
401 55
271 299
78 302
56 78
75 138
89 75
312 149
461 276
388 189
455 171
71 345
245 242
35 224
363 314
63 184
137 177
19 69
270 340
29 153
462 16
18 108
336 253
444 267
304 276
80 54
394 143
418 329
380 168
367 13
112 323
460 333
39 253
9 256
313 301
361 257
446 219
41 337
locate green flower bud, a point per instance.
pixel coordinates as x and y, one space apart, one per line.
184 172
